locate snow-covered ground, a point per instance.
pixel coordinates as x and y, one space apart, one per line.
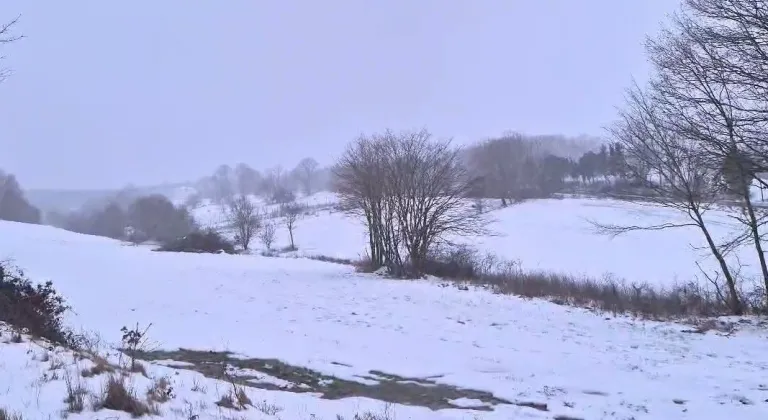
209 214
362 328
553 235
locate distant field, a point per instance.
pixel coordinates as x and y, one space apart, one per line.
553 234
407 342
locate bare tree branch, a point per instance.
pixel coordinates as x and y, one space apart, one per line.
7 37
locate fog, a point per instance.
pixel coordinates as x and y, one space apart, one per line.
104 94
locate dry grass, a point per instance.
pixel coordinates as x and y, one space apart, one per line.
76 393
611 295
197 387
466 267
99 367
608 294
55 363
388 413
116 395
6 415
137 367
227 401
325 258
242 398
160 391
267 408
236 399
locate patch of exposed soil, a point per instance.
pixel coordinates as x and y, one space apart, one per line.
423 392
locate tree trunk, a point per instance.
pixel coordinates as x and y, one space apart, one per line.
754 230
735 303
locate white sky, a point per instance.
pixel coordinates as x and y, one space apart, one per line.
106 93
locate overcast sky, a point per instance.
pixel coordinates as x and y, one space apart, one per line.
105 93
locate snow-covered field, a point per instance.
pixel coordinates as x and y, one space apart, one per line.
553 235
385 334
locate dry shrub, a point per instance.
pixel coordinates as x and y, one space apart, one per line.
334 260
365 265
35 308
208 241
100 366
76 392
242 398
226 401
6 415
116 395
388 413
235 399
160 391
267 408
138 368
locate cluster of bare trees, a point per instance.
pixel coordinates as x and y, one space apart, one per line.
249 222
136 218
697 133
410 190
515 167
275 184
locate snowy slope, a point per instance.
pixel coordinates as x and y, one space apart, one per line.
34 378
209 214
330 319
554 235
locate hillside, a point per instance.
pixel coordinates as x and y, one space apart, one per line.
375 340
553 235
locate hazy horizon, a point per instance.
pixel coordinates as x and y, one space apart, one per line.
107 94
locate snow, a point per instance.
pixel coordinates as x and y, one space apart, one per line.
330 319
558 235
210 214
37 388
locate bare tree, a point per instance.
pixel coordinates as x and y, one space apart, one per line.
687 182
356 179
411 191
223 184
244 218
248 179
276 186
291 213
697 81
724 44
267 235
504 165
305 173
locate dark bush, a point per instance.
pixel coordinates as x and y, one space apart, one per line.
157 217
208 241
14 206
283 195
36 308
